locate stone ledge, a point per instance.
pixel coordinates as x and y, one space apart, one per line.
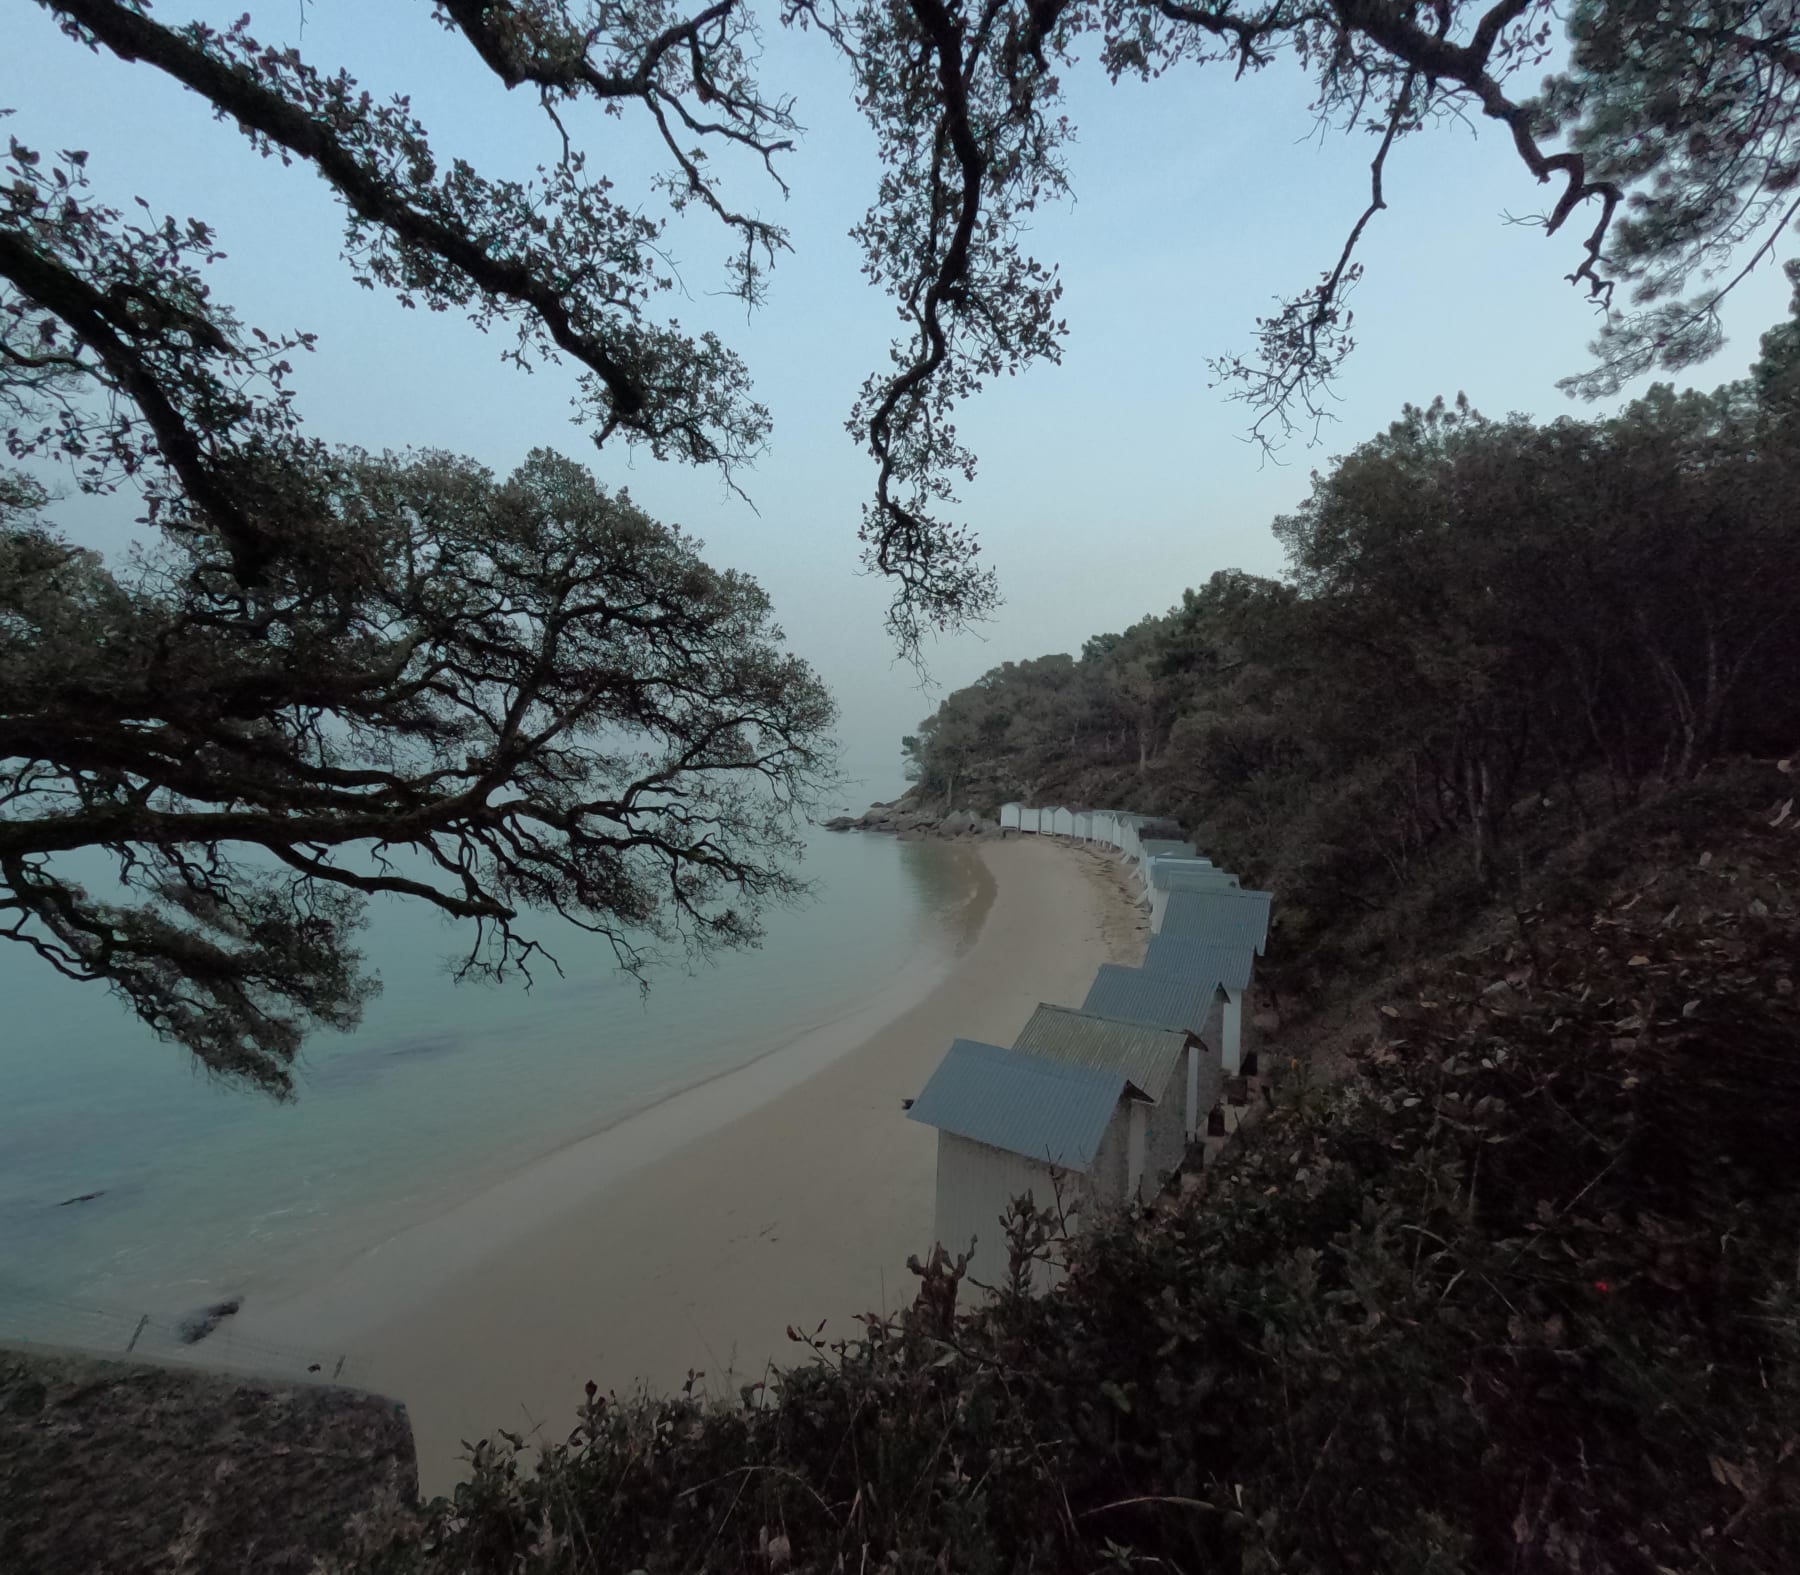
147 1467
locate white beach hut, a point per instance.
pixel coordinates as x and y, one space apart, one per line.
1162 877
1168 848
1011 1124
1230 967
1174 1067
1219 918
1062 822
1146 866
1128 839
1009 816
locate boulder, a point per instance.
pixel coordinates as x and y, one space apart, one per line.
958 823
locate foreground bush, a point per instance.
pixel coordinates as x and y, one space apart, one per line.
1519 1295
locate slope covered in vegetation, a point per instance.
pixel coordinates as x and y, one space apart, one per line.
1494 635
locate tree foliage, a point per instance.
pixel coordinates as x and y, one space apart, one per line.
333 675
1667 139
1672 131
1483 618
490 696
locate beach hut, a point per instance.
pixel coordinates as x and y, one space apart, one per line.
1163 877
1168 848
1165 1063
1128 839
1232 966
1219 918
1189 1002
1206 969
1059 822
1028 818
1011 1124
1106 828
1084 825
1206 875
1009 816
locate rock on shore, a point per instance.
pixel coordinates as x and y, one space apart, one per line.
906 817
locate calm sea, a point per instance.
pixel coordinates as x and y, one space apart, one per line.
205 1192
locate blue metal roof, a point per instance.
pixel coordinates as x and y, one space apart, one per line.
1188 875
1026 1104
1220 918
1191 954
1166 1000
1167 847
1145 1053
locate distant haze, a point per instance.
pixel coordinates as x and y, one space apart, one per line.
1106 485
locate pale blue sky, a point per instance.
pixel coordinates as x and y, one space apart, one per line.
1106 486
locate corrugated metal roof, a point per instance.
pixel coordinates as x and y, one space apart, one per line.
1145 1054
1168 848
1165 1000
1043 1108
1191 954
1220 918
1189 875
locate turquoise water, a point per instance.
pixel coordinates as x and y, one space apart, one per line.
207 1192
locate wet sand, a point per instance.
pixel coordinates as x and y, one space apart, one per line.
689 1237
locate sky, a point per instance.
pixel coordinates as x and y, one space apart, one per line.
1106 485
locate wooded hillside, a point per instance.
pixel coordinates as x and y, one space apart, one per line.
1492 633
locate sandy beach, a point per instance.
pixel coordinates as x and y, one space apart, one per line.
692 1235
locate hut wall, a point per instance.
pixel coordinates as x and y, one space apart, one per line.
976 1185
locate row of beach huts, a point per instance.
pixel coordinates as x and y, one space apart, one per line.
1100 1104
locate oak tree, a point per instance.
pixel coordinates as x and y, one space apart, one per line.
328 654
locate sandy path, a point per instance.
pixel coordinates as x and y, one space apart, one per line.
648 1250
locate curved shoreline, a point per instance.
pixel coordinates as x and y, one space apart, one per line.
676 1115
691 1234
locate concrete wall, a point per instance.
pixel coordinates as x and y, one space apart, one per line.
1165 1134
1106 1177
140 1466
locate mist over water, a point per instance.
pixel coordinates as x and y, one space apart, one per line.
208 1192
